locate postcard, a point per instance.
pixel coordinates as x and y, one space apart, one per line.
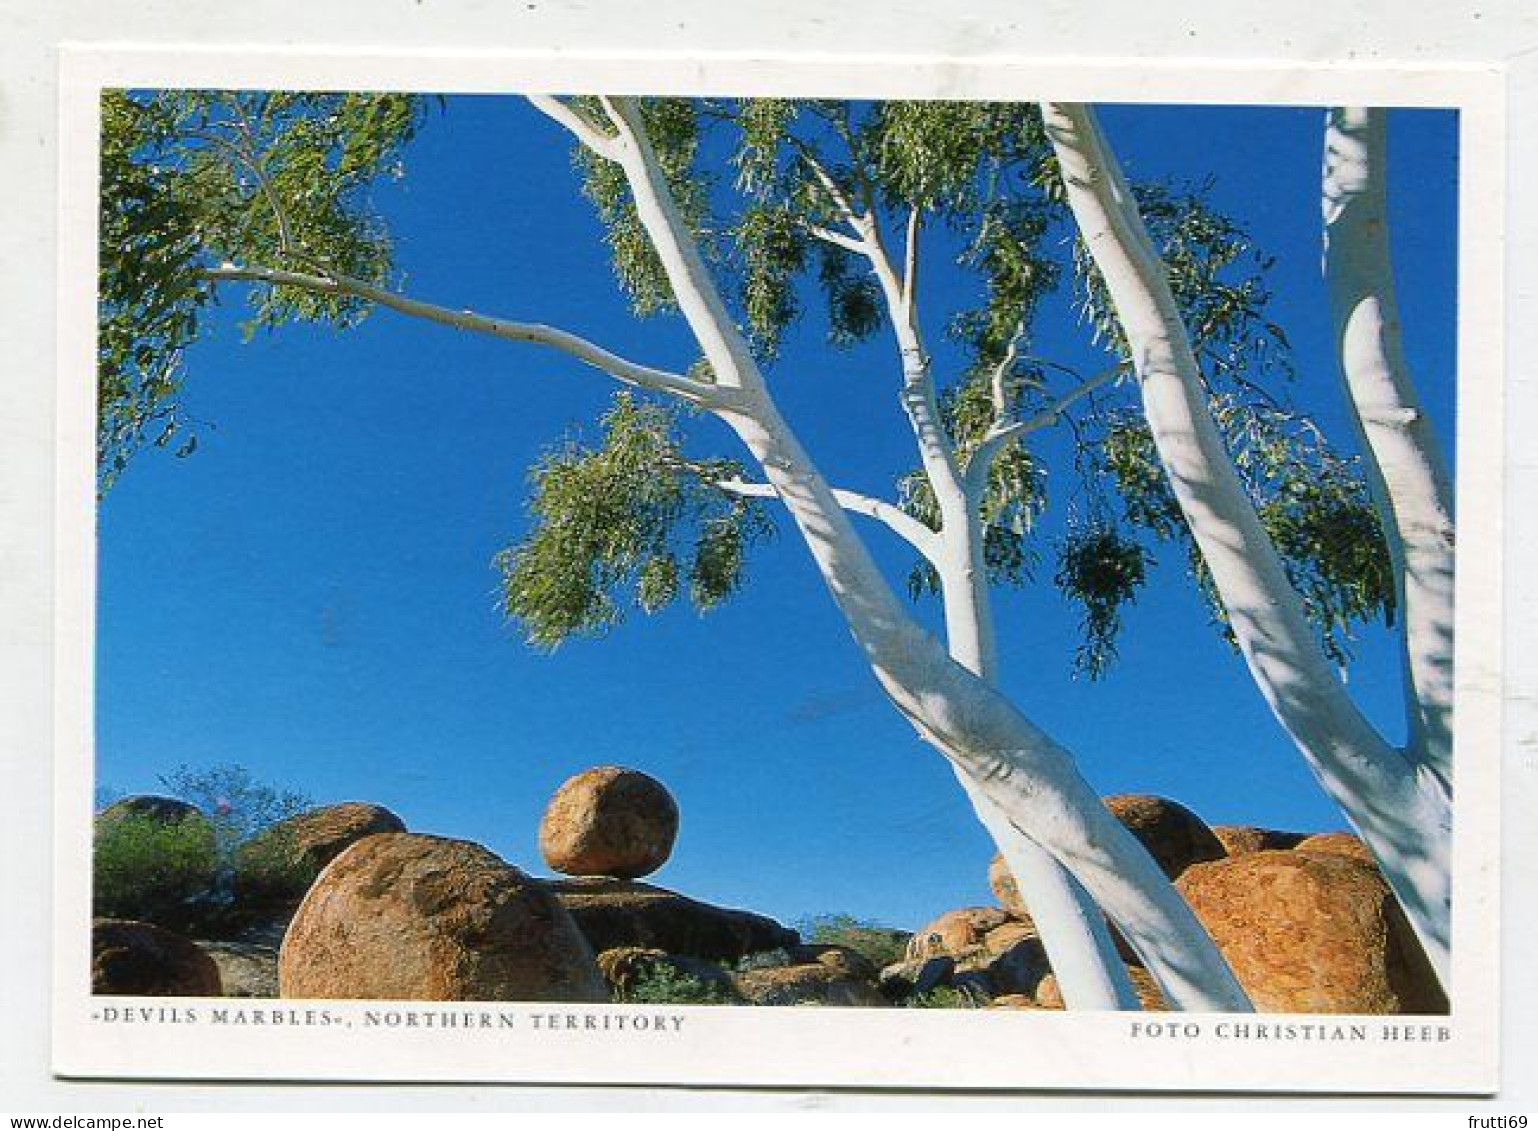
764 572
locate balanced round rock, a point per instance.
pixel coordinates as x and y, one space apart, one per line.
609 821
422 918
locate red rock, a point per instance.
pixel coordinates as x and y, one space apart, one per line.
810 983
1312 933
141 959
1173 835
410 917
956 932
1336 844
1050 996
609 821
276 867
616 913
1240 839
1005 890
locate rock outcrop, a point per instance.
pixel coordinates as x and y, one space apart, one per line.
1240 839
133 958
627 970
276 867
609 821
1002 881
956 932
248 963
406 916
617 913
1176 837
1050 996
808 983
162 810
1312 933
1336 844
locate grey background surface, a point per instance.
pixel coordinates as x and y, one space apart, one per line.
1502 33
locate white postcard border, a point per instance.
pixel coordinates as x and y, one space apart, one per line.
879 1048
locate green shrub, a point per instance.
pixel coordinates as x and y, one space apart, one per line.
761 960
661 984
943 997
882 945
154 870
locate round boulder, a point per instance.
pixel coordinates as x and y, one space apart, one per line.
423 918
150 807
141 959
1312 934
609 821
276 867
1173 835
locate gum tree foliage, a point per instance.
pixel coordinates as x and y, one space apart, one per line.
195 179
984 176
192 179
784 205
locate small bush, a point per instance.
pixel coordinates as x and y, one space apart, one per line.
882 945
154 870
762 960
943 997
661 984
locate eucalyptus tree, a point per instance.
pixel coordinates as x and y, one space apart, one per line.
848 202
1398 798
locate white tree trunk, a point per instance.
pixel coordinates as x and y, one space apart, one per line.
1008 760
1411 486
1089 971
1403 815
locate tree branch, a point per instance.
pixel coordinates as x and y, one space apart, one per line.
894 518
627 372
576 123
1006 429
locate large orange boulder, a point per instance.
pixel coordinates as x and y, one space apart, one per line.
411 917
609 821
133 958
1312 934
627 913
276 867
1240 839
1173 835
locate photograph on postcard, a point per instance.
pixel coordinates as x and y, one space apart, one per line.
647 557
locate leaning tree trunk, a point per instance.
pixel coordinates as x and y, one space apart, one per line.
1404 815
1073 931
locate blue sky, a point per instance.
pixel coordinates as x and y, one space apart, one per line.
311 595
